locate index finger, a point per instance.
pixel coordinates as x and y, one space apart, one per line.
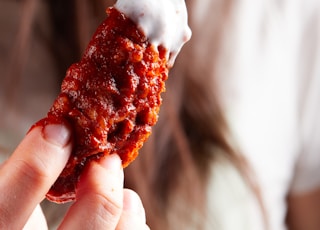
28 174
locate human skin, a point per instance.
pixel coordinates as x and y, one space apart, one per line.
36 163
303 210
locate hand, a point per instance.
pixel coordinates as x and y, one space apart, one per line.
27 175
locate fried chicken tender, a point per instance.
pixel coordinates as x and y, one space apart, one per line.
110 98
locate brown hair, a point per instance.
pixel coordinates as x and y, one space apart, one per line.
176 160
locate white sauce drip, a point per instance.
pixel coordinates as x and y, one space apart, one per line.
164 22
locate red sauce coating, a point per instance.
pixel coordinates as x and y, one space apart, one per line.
111 98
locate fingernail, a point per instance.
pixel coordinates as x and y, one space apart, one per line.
111 162
57 134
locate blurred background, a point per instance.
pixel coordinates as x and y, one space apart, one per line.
258 61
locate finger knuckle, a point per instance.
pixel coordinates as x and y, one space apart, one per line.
109 205
33 172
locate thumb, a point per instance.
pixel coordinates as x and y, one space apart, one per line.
28 174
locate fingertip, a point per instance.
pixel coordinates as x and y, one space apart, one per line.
57 134
132 201
103 176
111 162
55 131
99 196
133 212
